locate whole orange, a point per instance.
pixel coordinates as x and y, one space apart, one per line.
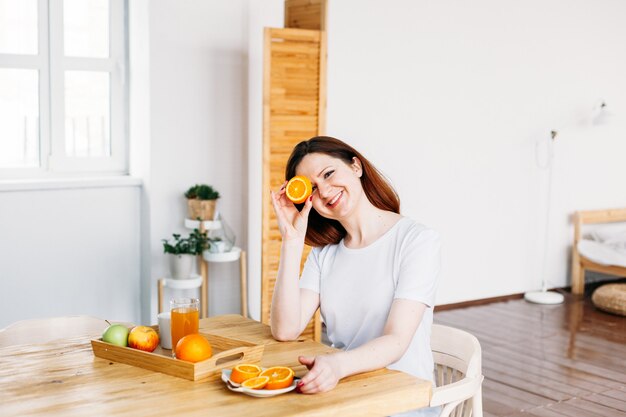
193 348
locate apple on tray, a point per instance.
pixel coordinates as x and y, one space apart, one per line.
116 334
143 338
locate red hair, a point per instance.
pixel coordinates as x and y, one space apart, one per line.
322 231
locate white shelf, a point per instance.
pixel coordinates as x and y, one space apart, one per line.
233 255
208 224
195 281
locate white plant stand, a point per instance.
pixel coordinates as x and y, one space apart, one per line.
203 225
235 254
195 281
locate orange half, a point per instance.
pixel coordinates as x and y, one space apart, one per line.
243 372
279 377
258 382
298 189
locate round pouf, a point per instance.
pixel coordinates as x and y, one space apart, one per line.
611 298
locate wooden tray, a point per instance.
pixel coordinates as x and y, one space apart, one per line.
227 353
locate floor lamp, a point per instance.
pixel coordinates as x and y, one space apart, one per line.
544 296
599 115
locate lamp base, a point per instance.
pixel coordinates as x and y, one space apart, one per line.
544 297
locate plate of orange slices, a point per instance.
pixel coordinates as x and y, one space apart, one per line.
260 382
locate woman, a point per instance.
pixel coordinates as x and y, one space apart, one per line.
372 271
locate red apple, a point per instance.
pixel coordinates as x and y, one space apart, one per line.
143 338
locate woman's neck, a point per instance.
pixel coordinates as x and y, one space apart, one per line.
367 225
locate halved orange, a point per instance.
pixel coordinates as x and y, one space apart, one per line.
279 377
258 382
298 189
243 372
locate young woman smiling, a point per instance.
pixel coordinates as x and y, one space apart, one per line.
372 271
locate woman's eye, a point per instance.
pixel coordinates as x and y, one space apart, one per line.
328 174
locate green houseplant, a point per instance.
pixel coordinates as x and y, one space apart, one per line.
201 201
182 252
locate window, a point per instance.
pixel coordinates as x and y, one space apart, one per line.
63 100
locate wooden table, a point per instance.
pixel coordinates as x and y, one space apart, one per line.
62 377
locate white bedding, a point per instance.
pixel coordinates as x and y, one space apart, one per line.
606 247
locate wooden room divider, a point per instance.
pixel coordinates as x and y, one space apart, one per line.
305 14
294 107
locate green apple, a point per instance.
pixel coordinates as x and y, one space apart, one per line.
116 334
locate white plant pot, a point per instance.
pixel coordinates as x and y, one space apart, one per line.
181 265
217 247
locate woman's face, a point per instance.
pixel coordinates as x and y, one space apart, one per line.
337 188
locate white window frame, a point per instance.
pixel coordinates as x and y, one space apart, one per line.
51 65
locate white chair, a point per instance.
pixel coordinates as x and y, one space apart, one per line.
458 372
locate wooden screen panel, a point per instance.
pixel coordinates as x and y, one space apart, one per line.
294 107
305 14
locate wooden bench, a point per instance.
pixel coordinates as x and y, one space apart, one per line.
580 264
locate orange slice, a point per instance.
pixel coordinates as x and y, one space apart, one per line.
258 382
298 189
279 377
244 372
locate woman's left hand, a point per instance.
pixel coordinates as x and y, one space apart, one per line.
324 374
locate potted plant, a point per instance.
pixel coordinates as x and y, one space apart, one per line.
183 250
201 201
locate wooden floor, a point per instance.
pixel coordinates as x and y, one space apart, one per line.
552 361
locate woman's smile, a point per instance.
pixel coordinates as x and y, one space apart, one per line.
335 200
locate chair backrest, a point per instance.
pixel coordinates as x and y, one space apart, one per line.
458 372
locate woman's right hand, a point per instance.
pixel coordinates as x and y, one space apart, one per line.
291 222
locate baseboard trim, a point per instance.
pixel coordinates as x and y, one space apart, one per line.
589 287
478 302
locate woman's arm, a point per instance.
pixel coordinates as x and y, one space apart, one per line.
325 371
292 308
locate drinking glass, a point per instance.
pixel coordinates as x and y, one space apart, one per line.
184 318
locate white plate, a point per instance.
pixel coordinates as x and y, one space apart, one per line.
261 393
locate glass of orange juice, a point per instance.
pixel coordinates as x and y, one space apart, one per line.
184 318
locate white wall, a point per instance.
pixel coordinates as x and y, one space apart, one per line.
188 125
198 127
451 100
266 13
69 251
448 98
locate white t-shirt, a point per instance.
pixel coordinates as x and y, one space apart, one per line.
358 286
